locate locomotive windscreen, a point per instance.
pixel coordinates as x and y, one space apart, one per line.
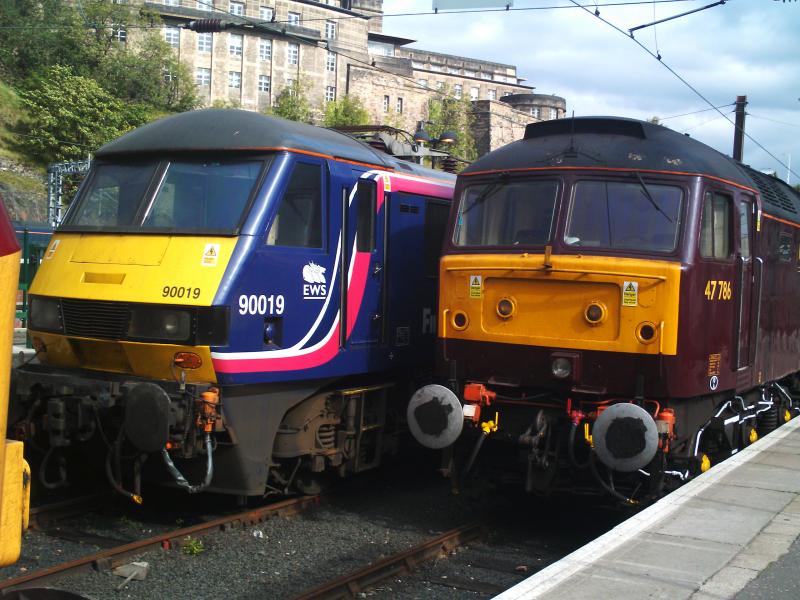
624 216
506 214
184 196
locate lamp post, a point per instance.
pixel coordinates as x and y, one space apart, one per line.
447 137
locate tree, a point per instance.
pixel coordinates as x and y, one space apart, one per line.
348 110
292 103
116 44
453 114
69 116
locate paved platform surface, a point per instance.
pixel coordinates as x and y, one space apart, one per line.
730 533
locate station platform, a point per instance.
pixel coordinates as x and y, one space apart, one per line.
731 532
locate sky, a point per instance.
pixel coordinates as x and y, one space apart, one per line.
744 47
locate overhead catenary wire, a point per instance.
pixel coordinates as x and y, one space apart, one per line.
696 112
684 82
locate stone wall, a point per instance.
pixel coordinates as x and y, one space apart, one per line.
497 124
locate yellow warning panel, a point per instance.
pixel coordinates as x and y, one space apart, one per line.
630 293
475 286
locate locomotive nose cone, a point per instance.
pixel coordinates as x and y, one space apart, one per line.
147 417
625 437
435 416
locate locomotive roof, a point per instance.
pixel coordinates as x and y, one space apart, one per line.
233 130
620 143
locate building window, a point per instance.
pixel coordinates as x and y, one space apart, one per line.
290 84
535 113
330 62
204 41
457 89
236 8
169 76
422 82
486 75
234 79
417 65
293 53
386 104
399 106
204 5
436 68
266 13
265 49
440 85
468 73
202 76
119 33
453 71
474 93
553 113
263 83
172 3
172 35
330 29
235 42
293 18
492 94
330 93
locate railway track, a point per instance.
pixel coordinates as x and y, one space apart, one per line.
113 557
401 563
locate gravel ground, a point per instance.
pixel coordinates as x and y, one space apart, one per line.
368 518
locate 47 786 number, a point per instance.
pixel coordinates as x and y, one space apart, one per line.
718 290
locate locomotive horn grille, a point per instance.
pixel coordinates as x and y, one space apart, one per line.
95 319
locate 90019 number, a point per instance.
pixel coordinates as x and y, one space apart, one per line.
176 291
261 305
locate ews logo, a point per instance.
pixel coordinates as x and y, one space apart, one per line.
315 286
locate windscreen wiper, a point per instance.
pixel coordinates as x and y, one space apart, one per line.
649 196
487 191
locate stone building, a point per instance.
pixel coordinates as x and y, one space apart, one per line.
337 47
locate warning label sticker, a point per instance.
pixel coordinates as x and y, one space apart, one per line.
210 255
630 293
475 286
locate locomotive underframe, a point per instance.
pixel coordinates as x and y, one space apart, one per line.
264 439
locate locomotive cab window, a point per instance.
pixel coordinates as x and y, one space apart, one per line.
192 196
625 215
715 226
298 221
506 214
366 198
113 195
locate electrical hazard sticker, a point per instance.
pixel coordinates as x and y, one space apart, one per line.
630 293
475 286
210 255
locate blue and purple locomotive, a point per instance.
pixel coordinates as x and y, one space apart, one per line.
249 299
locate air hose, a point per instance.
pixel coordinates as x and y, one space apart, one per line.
571 448
181 480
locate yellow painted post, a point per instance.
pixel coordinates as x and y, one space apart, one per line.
14 476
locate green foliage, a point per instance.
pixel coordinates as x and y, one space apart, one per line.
348 110
69 116
192 546
292 103
220 103
448 113
127 83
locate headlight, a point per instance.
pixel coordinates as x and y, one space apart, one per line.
45 314
561 367
160 324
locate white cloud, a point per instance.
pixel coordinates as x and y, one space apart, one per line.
743 47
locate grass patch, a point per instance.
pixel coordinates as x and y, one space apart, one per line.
22 182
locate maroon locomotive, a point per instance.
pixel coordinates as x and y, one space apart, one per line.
617 305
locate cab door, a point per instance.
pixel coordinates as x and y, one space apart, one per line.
368 266
743 288
717 271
